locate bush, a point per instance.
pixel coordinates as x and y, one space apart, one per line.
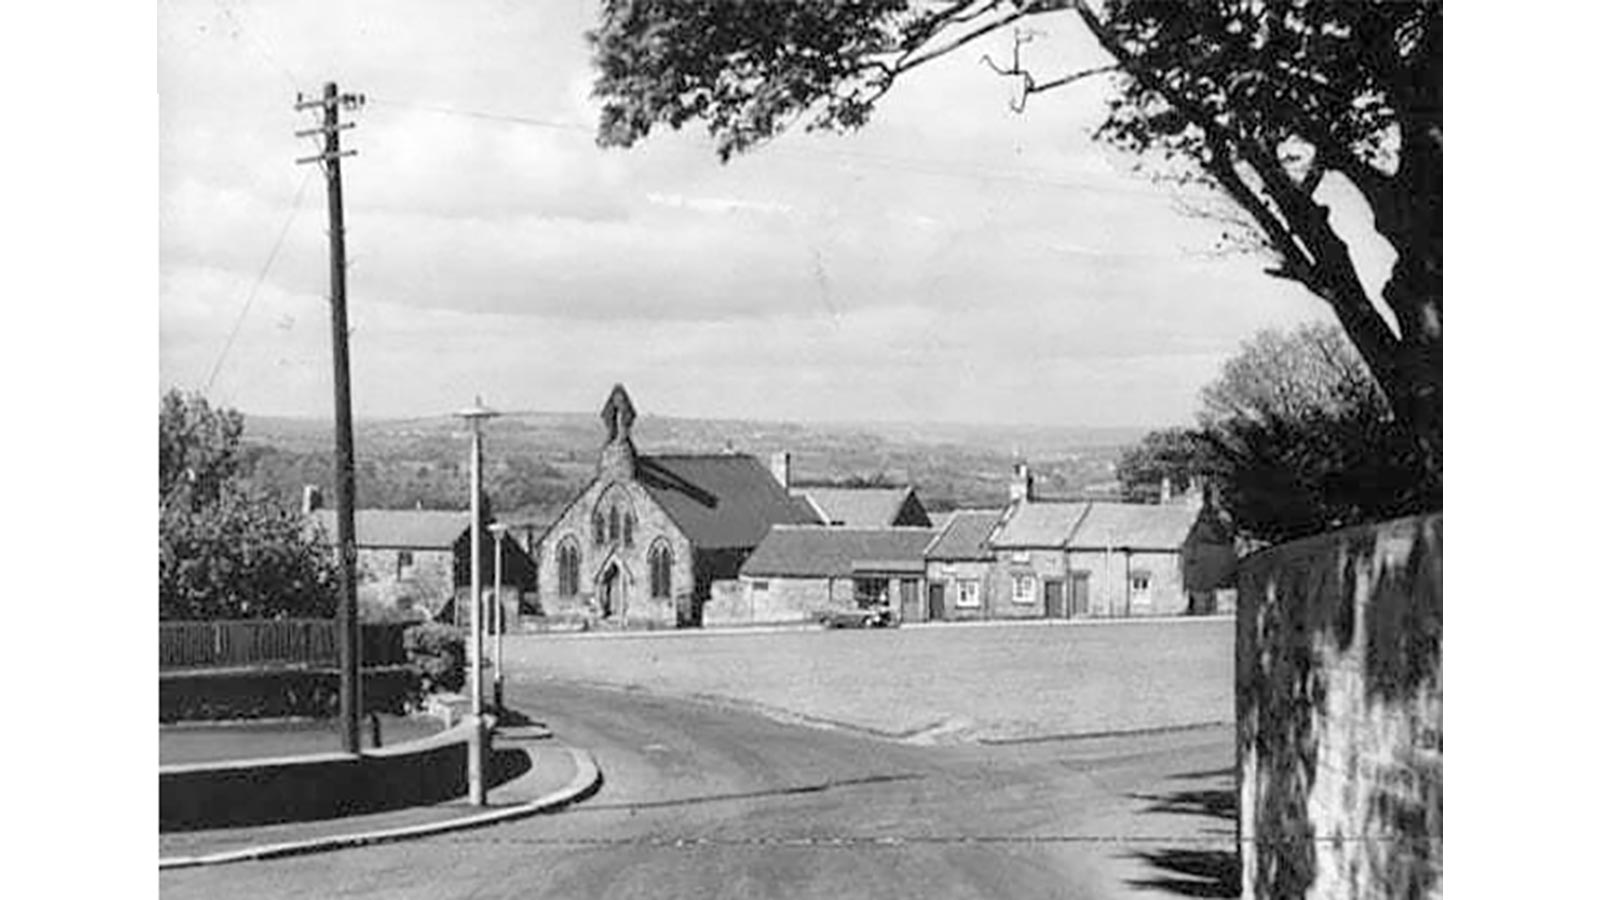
281 693
439 654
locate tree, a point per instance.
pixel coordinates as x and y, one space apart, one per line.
1169 455
1298 439
229 550
1258 101
199 448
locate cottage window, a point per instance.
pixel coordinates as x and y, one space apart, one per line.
660 571
967 593
1139 583
567 563
758 585
1019 556
403 561
1022 588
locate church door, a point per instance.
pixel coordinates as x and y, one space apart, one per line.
610 588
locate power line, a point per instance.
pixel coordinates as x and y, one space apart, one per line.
288 220
914 165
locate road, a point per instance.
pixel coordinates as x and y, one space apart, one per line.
705 801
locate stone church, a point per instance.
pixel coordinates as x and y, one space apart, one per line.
642 543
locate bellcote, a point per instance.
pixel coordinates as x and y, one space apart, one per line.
617 456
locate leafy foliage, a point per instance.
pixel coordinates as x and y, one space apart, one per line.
1296 438
1170 454
229 550
439 652
1259 101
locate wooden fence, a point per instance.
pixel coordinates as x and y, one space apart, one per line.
279 642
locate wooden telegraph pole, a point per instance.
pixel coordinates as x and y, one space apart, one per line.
344 469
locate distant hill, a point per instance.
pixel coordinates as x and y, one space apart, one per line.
535 462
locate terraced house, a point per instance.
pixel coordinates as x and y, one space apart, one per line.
1070 559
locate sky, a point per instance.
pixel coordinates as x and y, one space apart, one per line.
953 261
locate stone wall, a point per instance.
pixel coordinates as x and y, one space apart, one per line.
776 601
1340 687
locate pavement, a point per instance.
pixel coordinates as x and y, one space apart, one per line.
558 775
703 800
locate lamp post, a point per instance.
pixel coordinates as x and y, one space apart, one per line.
475 416
498 623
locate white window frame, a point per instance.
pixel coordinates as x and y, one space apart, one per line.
968 596
1018 580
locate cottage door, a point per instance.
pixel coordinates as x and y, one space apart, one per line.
1078 595
935 601
1053 608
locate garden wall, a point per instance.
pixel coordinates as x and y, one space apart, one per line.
326 785
1340 687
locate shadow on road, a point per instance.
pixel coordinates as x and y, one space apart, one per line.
816 788
1192 870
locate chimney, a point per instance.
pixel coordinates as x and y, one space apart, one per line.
1021 483
1166 490
780 468
310 499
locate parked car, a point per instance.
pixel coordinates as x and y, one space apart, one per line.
861 617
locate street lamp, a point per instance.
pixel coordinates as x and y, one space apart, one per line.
475 416
499 621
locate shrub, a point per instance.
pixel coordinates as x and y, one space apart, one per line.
439 654
281 693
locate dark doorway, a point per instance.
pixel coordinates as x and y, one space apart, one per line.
935 601
1054 607
610 584
911 599
1078 595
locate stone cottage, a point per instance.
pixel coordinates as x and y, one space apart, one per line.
1069 559
798 573
959 562
421 559
641 544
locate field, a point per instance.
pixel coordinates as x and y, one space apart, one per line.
932 683
535 462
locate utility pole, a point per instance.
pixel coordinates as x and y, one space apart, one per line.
344 467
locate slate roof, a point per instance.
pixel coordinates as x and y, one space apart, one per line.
720 501
965 535
815 552
1140 526
858 507
1039 523
1098 525
418 529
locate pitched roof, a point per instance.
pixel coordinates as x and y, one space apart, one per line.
1039 523
965 535
421 529
858 507
1135 525
720 501
813 552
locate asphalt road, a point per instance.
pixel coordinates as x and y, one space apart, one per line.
704 801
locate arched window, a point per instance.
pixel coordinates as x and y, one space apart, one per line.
627 529
599 529
660 571
615 532
567 565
